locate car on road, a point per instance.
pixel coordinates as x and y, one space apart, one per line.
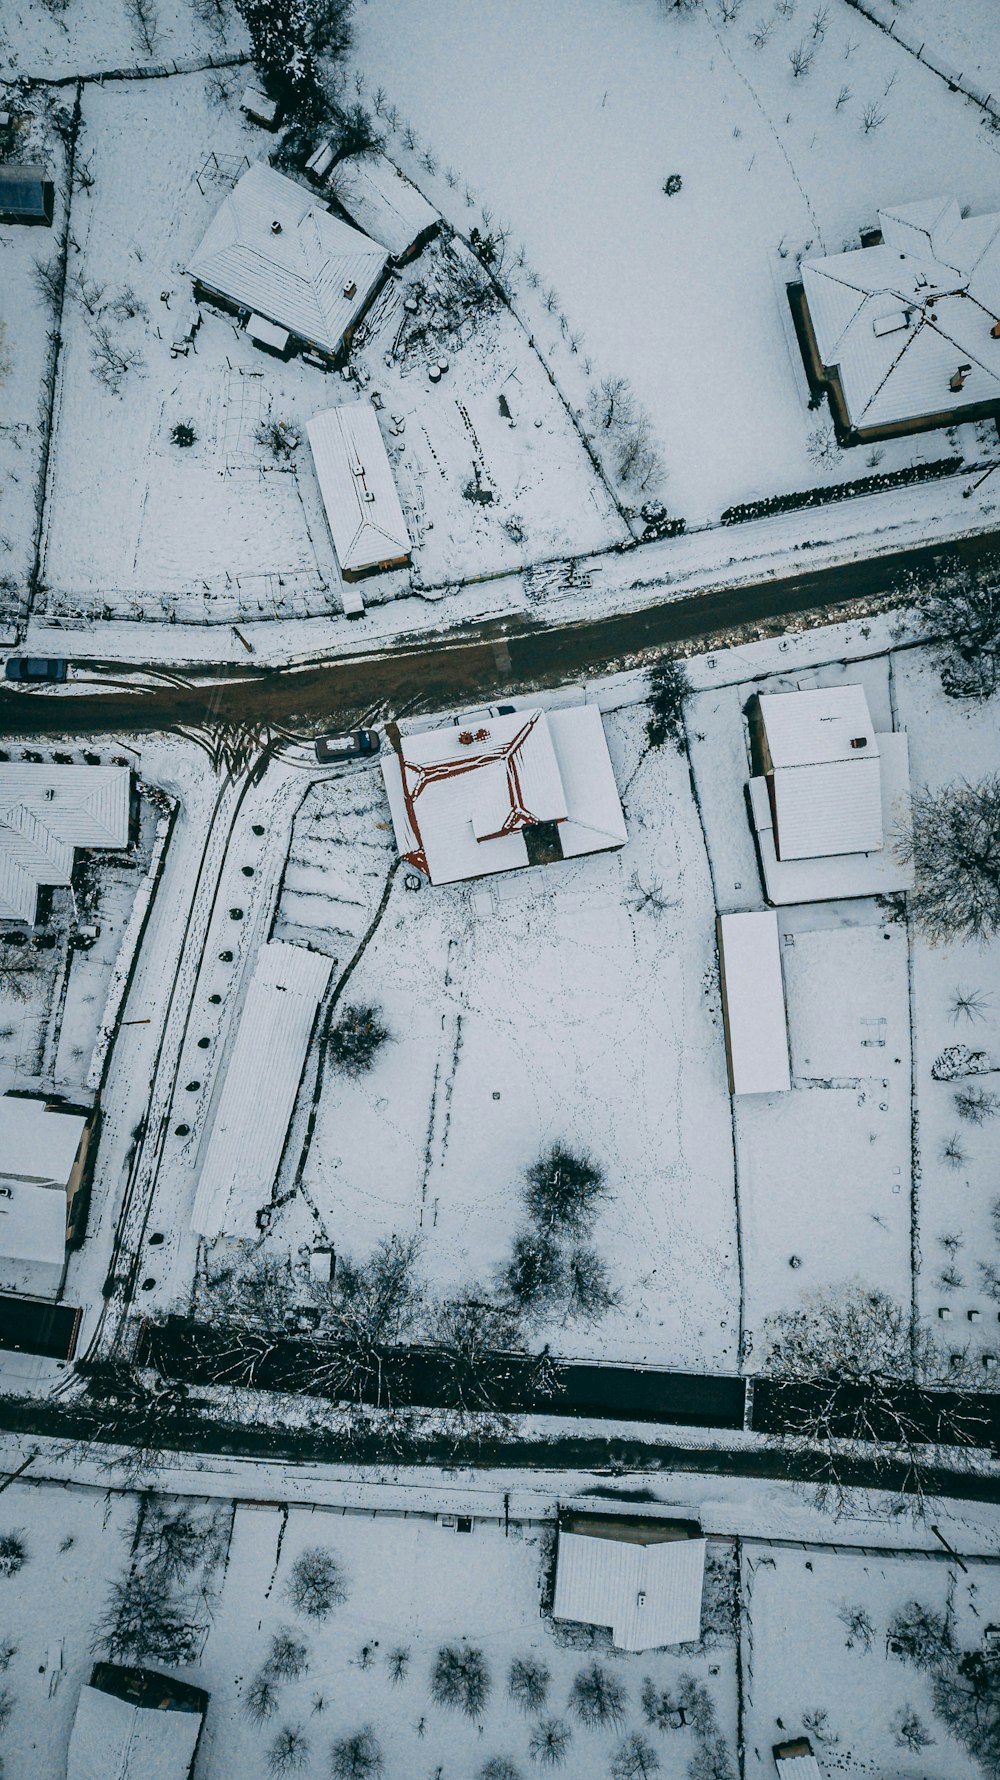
346 747
35 668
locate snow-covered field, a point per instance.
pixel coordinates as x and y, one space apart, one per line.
565 121
86 36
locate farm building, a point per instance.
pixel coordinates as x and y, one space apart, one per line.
359 495
26 195
47 811
275 252
636 1570
250 1125
381 201
904 333
43 1158
521 788
133 1724
753 1003
828 796
796 1761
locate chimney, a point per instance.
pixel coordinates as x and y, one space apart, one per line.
276 227
957 382
350 288
995 330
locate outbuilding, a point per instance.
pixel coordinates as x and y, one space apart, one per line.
753 1003
379 199
43 1159
26 195
359 494
135 1724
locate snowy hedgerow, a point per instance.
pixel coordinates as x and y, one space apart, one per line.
461 1679
316 1584
564 1191
597 1697
669 689
549 1742
528 1682
357 1038
358 1757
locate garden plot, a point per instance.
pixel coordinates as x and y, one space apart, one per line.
817 1660
824 1170
412 1587
138 526
956 1002
554 119
524 1010
93 34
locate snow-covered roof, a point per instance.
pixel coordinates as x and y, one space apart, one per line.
753 1000
826 777
462 797
262 1077
384 203
311 275
46 811
802 1766
649 1595
112 1739
898 320
356 482
845 874
38 1141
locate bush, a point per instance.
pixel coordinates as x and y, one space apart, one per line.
534 1275
549 1742
669 688
357 1039
528 1683
597 1697
460 1679
316 1584
289 1752
841 491
183 435
288 1656
13 1553
279 438
564 1191
358 1757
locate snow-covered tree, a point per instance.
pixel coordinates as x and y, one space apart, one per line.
955 851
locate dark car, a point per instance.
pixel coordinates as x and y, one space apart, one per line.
346 747
34 667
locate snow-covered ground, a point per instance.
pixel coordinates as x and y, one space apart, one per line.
87 36
565 121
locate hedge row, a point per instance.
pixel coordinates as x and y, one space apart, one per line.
841 491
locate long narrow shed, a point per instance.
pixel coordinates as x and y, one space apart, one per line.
359 494
753 1003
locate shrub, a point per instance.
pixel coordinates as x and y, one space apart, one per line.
528 1682
287 1659
564 1191
597 1697
183 435
316 1584
260 1702
534 1273
279 438
460 1679
289 1752
13 1553
669 689
357 1039
358 1757
635 1759
549 1742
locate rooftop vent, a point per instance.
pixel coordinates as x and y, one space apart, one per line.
957 381
859 741
893 323
350 287
359 468
276 227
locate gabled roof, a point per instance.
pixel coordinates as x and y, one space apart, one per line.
298 275
817 725
898 320
114 1740
262 1078
753 1000
356 482
38 1141
827 793
46 811
649 1595
383 202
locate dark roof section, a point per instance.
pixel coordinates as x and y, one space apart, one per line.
30 1327
146 1688
25 194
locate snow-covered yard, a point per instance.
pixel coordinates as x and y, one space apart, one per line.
565 122
53 42
558 1003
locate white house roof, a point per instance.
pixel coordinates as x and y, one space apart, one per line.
112 1739
298 276
827 791
383 202
38 1143
798 1767
899 319
837 876
649 1595
356 482
754 1003
461 797
262 1077
46 811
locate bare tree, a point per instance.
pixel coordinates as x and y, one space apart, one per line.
110 360
357 1757
669 690
761 32
143 1619
528 1682
960 616
461 1679
289 1751
801 59
872 118
564 1191
317 1583
634 1759
843 97
144 19
589 1292
597 1697
955 850
47 278
549 1742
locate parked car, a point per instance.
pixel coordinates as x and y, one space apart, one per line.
347 747
34 667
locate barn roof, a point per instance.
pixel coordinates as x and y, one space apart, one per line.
311 275
112 1739
384 203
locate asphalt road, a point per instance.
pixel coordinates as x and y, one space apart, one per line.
440 672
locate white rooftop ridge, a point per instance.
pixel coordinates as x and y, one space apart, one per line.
312 275
649 1595
112 1739
254 1107
39 1147
462 797
753 1001
823 771
356 483
46 811
899 320
384 203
